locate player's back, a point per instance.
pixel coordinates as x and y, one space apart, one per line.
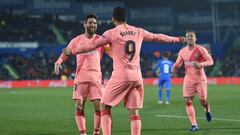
126 42
165 68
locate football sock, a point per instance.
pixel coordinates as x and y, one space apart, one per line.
97 122
191 113
207 107
81 122
160 94
135 125
167 95
106 122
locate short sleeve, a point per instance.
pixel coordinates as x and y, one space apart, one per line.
107 35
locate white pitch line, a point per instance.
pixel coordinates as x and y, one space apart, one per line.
185 117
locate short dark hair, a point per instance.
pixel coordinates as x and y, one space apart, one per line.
166 54
119 14
90 16
191 31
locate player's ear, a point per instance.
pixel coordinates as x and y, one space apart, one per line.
113 20
84 24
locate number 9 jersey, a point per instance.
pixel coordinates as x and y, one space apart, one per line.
126 41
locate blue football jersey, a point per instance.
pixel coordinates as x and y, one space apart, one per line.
165 67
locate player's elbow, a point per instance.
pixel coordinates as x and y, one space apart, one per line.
211 62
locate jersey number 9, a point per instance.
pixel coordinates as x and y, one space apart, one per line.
130 49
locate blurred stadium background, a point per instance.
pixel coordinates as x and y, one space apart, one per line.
33 32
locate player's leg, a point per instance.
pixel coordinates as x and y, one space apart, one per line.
107 98
114 92
135 121
95 94
168 90
188 93
97 117
106 119
191 112
79 96
134 101
208 113
160 87
80 116
202 94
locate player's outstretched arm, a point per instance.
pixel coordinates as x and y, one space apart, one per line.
85 47
162 38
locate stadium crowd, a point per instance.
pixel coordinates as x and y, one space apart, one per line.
52 29
40 66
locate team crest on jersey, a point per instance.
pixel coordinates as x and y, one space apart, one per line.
197 55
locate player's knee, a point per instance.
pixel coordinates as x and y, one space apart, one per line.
97 108
188 102
96 105
133 112
79 107
203 102
105 107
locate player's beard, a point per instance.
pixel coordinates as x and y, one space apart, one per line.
91 30
190 43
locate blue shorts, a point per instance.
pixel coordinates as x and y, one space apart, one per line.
164 83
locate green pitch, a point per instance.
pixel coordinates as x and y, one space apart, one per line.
51 112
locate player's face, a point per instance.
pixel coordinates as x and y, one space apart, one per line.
191 38
91 26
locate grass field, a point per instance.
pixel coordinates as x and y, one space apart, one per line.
51 112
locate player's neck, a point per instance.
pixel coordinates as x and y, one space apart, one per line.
190 47
121 23
89 35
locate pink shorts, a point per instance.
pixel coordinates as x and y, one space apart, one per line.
191 87
90 90
130 91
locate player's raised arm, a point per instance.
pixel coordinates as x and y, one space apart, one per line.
162 38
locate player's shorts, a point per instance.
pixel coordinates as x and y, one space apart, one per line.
90 90
164 83
129 91
191 87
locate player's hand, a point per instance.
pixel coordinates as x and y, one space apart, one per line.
173 71
66 51
57 67
182 39
196 65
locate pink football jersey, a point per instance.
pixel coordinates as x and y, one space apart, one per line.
126 41
197 54
88 64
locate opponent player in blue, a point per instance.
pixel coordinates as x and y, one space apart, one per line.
165 66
